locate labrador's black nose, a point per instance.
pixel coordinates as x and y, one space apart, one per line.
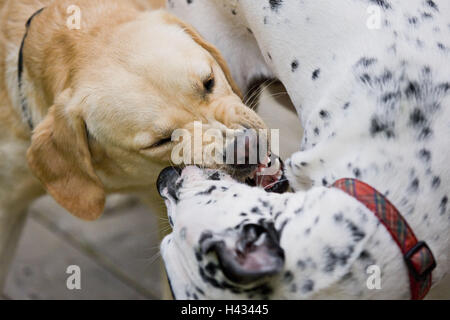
167 178
243 153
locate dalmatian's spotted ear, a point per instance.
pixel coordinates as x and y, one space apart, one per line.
257 254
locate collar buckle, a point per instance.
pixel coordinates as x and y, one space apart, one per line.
420 261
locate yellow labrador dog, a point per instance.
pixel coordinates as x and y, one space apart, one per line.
89 110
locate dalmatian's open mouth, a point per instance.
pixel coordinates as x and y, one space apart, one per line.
270 175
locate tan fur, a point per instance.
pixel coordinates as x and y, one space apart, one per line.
99 98
209 47
59 156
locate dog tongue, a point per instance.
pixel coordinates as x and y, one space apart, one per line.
266 181
268 173
270 176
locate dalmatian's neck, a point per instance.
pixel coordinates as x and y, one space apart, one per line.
311 46
258 40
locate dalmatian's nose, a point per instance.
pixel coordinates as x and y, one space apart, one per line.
256 255
167 179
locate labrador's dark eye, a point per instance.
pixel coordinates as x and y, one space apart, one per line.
162 142
209 85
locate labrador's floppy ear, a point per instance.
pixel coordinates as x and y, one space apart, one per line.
59 156
210 48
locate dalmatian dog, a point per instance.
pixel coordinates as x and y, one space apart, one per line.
374 103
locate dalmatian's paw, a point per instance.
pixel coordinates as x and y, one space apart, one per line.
297 171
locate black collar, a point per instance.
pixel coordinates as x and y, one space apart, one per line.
23 101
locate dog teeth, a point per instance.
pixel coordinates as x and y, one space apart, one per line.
273 169
275 165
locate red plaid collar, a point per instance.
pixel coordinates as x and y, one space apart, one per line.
417 255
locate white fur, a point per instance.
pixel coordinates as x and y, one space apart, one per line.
378 137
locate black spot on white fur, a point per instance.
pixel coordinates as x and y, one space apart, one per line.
432 4
315 74
335 257
425 155
308 286
436 182
294 65
382 127
443 205
382 3
366 62
275 5
414 186
207 192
